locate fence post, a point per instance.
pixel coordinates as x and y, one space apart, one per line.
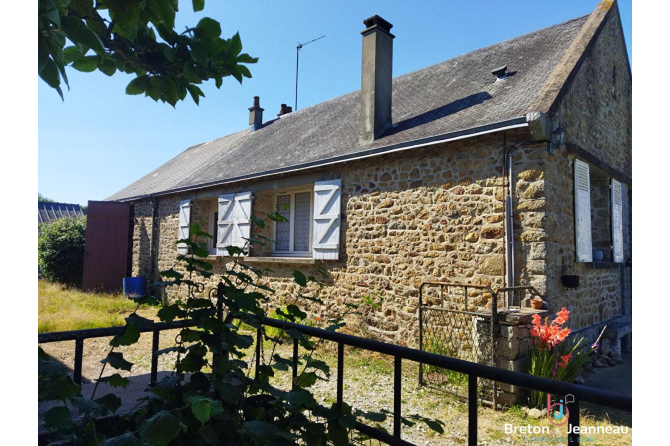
78 356
472 410
154 357
295 359
397 397
259 339
340 374
573 420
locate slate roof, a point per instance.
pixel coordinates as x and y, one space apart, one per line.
48 212
451 96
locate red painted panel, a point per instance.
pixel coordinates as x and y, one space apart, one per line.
106 263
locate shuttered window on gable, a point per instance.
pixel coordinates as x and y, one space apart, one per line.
598 215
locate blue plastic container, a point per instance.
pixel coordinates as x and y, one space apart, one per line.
134 287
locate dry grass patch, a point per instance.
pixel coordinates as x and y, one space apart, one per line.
61 309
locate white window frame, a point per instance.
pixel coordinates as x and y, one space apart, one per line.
291 193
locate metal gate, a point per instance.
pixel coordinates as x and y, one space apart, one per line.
108 231
452 323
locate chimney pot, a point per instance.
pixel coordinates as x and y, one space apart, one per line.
283 110
376 79
255 115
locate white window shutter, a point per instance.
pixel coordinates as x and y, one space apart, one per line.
184 225
583 212
617 221
234 225
326 232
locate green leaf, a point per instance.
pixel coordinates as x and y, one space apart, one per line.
235 44
203 408
266 433
258 221
85 405
57 418
77 31
58 388
128 336
297 312
116 380
167 12
208 29
50 75
160 429
50 367
337 434
299 278
127 439
305 380
198 5
116 360
50 12
195 93
244 71
71 53
139 86
86 64
83 7
108 66
110 402
245 58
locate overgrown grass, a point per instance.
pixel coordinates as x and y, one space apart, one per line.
61 308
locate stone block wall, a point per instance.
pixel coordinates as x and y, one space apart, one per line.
429 214
596 111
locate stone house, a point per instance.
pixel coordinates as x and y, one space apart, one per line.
506 166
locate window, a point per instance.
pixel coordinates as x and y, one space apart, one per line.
294 235
598 215
312 228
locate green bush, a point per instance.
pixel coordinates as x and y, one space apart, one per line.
60 249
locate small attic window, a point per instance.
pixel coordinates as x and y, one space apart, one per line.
500 73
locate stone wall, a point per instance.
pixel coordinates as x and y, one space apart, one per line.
428 214
596 114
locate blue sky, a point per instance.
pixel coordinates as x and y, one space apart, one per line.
99 139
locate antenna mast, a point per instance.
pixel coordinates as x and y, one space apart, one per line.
297 60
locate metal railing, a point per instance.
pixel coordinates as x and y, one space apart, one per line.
474 372
78 336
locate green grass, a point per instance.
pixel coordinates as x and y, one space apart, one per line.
61 309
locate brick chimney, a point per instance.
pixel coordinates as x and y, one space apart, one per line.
256 115
284 109
376 78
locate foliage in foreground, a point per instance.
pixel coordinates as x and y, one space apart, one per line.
60 249
211 398
136 37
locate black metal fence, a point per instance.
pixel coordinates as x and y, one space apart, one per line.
474 372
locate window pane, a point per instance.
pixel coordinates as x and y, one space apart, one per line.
302 221
283 235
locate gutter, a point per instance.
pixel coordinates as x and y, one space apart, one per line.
472 132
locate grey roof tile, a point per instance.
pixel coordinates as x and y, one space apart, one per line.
456 94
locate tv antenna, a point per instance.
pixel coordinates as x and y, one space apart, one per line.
297 60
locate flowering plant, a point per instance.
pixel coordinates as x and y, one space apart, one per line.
553 355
